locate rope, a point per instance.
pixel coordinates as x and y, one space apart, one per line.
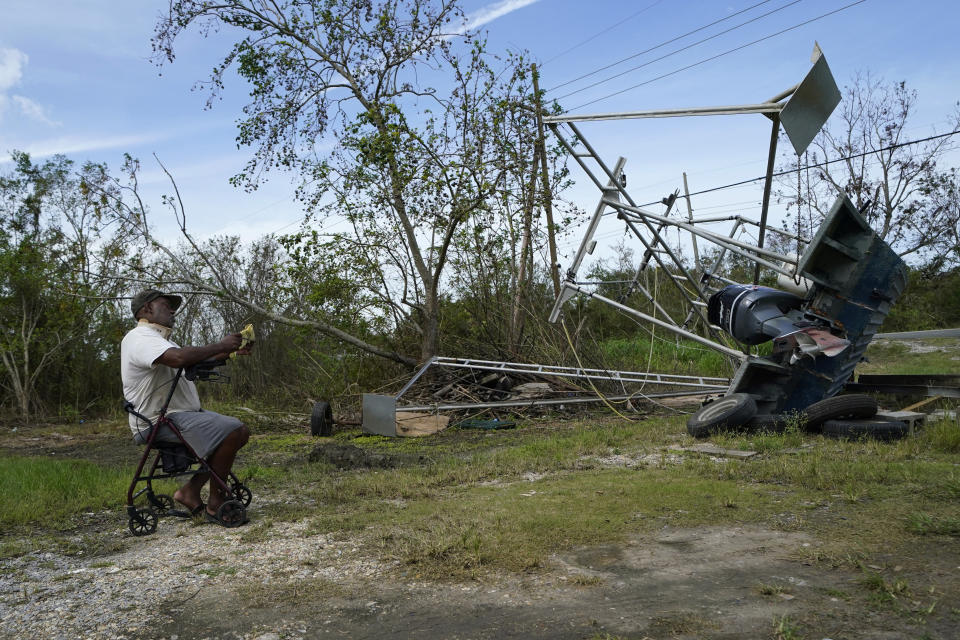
576 355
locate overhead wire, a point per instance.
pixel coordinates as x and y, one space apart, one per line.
728 167
818 164
655 47
719 55
600 33
680 50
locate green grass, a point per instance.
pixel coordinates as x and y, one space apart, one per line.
683 357
944 436
898 358
470 508
50 491
516 527
784 628
926 524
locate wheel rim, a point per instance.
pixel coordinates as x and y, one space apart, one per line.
243 494
162 503
232 514
718 408
143 522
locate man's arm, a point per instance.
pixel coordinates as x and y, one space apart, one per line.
176 357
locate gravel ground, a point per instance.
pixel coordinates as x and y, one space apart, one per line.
129 594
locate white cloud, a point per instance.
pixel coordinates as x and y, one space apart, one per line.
34 111
68 145
493 11
12 62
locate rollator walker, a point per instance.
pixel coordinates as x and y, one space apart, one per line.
178 459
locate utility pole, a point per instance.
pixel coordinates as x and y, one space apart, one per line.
765 206
545 181
516 323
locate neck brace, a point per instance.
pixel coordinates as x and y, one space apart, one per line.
159 328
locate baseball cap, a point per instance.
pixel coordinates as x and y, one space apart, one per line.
149 295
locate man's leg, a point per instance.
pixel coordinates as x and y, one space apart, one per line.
206 431
221 462
189 494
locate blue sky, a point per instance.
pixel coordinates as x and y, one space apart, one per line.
75 78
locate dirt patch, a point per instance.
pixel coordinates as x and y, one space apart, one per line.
348 456
104 445
710 582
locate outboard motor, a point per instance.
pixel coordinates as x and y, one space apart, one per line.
753 314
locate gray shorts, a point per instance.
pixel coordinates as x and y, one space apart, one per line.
203 430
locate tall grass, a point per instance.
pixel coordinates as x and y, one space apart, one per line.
663 355
48 491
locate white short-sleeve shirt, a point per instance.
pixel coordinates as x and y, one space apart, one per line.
146 382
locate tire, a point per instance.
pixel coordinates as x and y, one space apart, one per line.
161 502
232 514
242 493
854 405
321 420
856 429
771 423
143 522
728 412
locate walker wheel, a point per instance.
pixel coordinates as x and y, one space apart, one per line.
231 514
143 522
162 503
241 493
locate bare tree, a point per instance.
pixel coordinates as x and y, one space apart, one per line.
899 186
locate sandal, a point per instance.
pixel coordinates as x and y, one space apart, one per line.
192 513
234 516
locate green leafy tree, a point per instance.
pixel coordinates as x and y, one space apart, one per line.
412 167
52 239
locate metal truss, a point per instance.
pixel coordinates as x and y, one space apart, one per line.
801 110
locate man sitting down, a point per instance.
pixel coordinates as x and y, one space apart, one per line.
148 365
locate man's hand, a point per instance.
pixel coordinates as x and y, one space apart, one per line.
231 342
248 337
230 346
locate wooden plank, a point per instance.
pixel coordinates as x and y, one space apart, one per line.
414 425
917 405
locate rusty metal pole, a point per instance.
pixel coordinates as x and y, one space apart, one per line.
771 159
545 181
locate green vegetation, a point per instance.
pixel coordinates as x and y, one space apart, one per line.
49 491
643 352
475 501
785 629
901 357
926 524
471 508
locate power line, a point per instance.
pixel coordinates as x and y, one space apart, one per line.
819 164
613 64
720 55
727 168
600 33
672 53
